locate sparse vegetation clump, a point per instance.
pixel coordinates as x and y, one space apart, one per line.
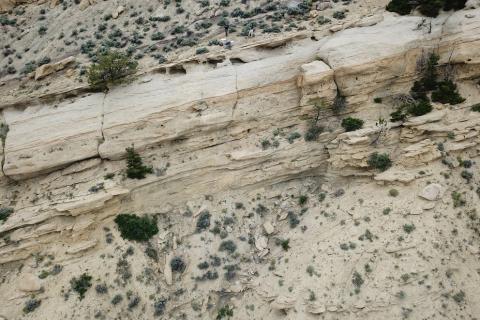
135 167
203 221
429 8
81 284
31 305
379 161
177 264
225 312
352 124
228 245
447 93
133 227
112 68
314 129
5 212
420 108
475 107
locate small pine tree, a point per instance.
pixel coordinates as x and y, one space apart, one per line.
111 68
135 167
447 92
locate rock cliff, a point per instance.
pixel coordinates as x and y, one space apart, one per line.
225 133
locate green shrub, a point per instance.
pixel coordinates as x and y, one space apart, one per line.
377 100
379 161
339 15
475 107
408 228
135 167
133 227
313 132
352 124
31 305
393 193
420 108
81 285
177 264
398 115
428 82
201 50
228 245
203 221
402 7
5 213
285 244
454 4
157 36
447 93
458 200
225 312
111 68
429 8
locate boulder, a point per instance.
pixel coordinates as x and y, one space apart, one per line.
432 192
84 4
49 68
261 243
268 227
472 4
118 12
29 283
324 5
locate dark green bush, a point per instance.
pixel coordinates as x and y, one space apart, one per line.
447 93
398 115
454 4
313 132
379 161
5 213
203 221
228 245
429 8
133 227
420 108
428 82
111 68
475 107
81 285
177 264
402 7
352 124
31 305
158 36
225 312
201 50
135 167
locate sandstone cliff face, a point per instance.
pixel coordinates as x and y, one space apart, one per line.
202 131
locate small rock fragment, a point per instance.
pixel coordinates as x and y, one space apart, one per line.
29 283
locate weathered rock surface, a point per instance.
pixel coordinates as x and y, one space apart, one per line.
432 192
29 283
228 137
49 68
